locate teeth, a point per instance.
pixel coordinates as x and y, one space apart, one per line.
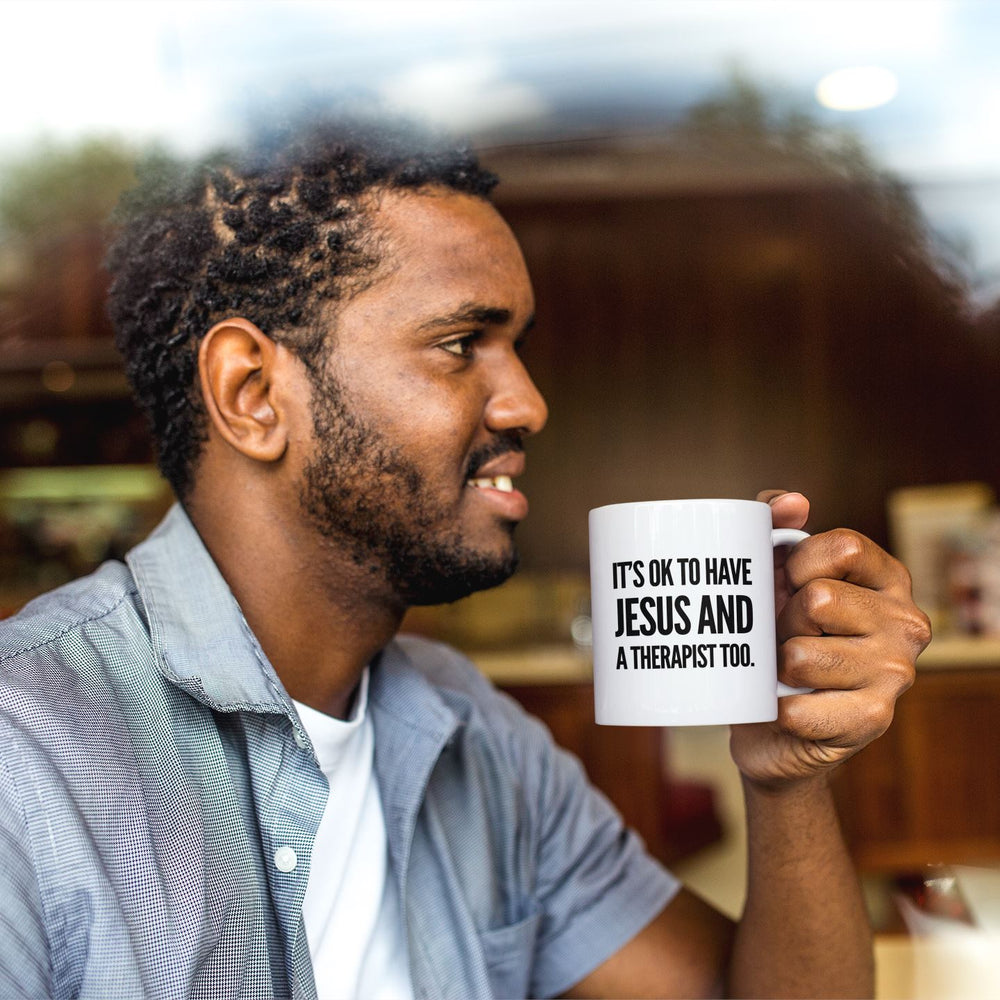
502 483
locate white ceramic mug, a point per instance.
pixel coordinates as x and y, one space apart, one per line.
682 600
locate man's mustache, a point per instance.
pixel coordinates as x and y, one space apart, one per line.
502 444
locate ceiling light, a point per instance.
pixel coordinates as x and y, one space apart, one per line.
857 88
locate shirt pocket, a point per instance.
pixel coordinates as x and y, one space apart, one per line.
509 954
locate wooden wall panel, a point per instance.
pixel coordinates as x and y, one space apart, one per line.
714 345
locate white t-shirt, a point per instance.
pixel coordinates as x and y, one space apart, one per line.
352 914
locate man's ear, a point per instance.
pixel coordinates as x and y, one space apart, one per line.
239 369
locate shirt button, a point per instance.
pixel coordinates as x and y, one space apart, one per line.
285 859
300 740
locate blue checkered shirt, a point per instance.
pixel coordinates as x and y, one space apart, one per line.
151 766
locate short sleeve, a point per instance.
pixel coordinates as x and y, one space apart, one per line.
597 885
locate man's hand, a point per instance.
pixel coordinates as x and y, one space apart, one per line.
847 627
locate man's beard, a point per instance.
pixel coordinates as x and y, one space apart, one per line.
361 493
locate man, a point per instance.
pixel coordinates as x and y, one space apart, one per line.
222 774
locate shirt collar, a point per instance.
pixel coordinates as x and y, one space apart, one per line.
205 646
201 639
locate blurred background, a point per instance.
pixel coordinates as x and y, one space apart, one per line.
765 241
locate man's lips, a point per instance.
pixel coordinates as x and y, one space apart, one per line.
506 466
495 480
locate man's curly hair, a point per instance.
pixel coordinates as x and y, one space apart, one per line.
273 235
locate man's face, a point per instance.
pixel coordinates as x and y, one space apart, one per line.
423 404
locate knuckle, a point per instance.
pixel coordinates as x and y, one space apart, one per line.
905 577
794 721
897 574
848 545
902 672
812 654
816 596
918 627
794 652
877 715
796 656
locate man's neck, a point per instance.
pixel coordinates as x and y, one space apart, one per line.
320 620
318 645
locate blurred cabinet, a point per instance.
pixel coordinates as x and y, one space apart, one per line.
928 790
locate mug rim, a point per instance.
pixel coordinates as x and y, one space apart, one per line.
733 501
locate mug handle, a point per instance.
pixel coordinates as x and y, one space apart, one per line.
788 536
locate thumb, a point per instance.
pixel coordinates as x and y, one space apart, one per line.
788 510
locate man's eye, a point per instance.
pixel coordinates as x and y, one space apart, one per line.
461 346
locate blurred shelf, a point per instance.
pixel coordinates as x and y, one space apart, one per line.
36 371
554 664
959 652
564 663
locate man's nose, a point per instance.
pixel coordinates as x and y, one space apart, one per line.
516 403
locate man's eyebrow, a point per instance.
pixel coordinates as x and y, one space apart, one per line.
485 315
